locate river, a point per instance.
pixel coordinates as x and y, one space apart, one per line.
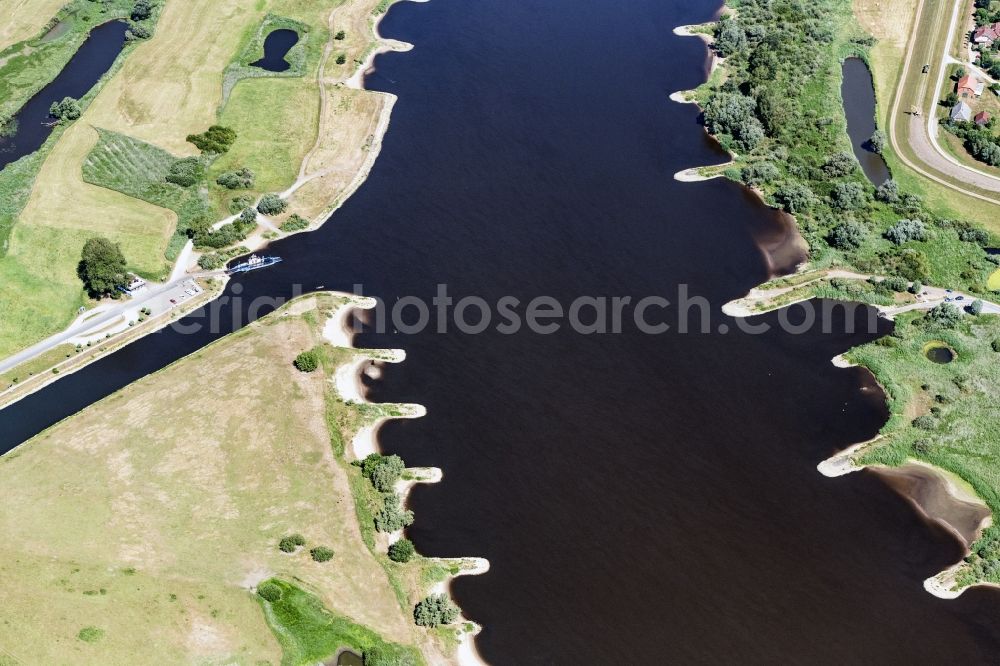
643 499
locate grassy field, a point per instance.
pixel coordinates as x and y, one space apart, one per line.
23 19
151 514
959 399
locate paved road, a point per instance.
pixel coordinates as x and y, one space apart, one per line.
160 299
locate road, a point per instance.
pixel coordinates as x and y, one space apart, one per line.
157 298
934 162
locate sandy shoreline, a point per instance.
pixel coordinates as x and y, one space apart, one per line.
348 384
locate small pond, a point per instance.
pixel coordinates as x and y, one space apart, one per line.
858 91
939 352
32 124
276 47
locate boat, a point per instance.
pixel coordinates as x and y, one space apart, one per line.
253 263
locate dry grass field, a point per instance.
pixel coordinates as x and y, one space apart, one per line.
146 518
24 19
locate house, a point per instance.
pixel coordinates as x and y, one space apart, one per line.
986 34
982 118
968 86
961 111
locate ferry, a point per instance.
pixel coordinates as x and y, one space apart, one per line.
253 263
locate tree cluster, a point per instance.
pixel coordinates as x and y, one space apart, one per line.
216 140
240 179
435 610
65 110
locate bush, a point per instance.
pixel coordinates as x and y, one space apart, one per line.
142 10
896 284
321 554
289 543
435 610
269 592
294 223
402 551
340 35
211 261
759 173
307 361
67 109
341 58
241 179
392 517
240 203
888 192
945 315
90 634
925 422
216 140
839 164
272 204
137 31
905 231
847 236
186 172
733 114
996 345
916 287
848 196
795 198
102 267
973 235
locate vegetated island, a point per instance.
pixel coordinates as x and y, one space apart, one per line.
773 100
182 162
155 527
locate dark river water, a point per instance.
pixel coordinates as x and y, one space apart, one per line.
276 47
858 92
94 57
643 499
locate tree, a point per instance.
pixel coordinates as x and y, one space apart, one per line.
386 472
341 58
307 361
976 308
944 315
729 38
211 261
733 114
905 231
848 196
435 610
759 173
185 172
142 10
847 235
67 109
340 35
321 554
269 591
795 197
916 287
102 267
272 204
877 141
392 517
402 551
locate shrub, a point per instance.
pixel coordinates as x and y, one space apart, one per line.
896 284
237 180
877 141
925 422
272 204
839 164
321 554
90 634
383 472
185 172
294 223
848 196
340 35
289 543
341 58
847 235
976 307
67 109
137 31
307 361
916 287
435 610
211 261
973 235
217 139
240 203
392 517
905 231
945 315
922 446
888 192
269 592
102 267
142 10
759 173
402 551
996 345
795 197
733 113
